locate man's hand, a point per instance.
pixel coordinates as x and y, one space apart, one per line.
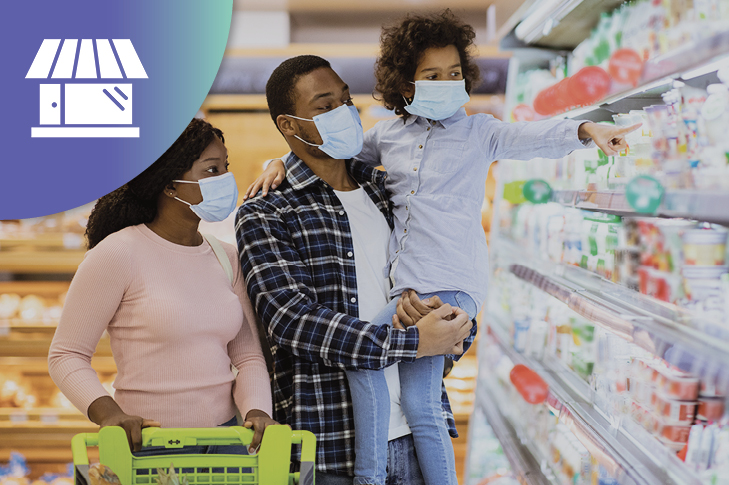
259 421
439 336
270 178
610 139
410 309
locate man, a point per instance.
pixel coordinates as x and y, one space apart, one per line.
313 252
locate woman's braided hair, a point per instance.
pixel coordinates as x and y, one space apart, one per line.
136 201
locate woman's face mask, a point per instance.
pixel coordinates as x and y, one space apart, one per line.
220 196
438 100
340 130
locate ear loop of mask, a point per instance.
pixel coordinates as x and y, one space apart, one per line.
406 99
298 137
185 182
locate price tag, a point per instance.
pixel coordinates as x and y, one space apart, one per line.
537 191
644 194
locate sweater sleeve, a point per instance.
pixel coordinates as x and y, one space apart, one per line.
252 388
93 298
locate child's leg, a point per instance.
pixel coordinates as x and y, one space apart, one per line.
371 409
421 386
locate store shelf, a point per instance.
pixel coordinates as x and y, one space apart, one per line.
68 240
696 63
709 206
26 261
615 447
693 343
525 465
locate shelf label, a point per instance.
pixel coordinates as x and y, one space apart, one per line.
537 191
644 194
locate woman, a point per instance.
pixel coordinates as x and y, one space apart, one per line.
175 321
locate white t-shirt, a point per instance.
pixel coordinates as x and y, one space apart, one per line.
371 237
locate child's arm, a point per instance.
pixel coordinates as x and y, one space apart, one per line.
273 174
548 138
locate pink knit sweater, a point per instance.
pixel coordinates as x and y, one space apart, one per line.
175 324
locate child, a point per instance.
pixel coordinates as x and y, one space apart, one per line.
437 159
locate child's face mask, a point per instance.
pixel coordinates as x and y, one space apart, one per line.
438 100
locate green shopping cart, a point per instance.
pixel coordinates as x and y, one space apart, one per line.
270 466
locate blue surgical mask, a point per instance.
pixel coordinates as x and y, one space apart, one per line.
438 100
220 195
340 130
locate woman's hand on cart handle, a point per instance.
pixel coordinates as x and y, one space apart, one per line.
259 421
106 412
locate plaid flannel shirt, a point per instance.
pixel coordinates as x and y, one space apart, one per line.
297 254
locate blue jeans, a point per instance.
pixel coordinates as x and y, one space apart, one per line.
402 464
197 450
420 397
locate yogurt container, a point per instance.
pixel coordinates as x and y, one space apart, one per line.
701 282
704 247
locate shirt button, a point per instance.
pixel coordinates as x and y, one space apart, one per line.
350 254
412 191
428 129
341 213
415 169
353 300
406 230
407 208
420 146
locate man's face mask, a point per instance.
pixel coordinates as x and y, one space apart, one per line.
340 130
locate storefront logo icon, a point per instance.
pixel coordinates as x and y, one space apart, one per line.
86 109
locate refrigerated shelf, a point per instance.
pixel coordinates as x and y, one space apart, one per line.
709 206
524 463
618 447
691 342
695 63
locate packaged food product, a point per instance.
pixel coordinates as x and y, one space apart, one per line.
702 282
674 411
676 433
704 247
678 385
710 408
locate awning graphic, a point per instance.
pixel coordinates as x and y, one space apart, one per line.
116 60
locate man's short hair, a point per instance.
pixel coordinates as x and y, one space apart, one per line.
280 86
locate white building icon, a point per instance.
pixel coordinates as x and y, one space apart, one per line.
86 108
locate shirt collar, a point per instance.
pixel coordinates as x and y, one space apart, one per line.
300 175
458 116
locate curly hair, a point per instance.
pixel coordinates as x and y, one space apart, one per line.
402 47
136 201
280 93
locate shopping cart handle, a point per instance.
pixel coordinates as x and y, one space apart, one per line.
179 437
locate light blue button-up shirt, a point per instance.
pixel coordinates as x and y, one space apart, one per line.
436 176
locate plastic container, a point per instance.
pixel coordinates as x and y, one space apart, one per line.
682 387
710 409
704 247
675 433
270 466
701 282
531 387
675 411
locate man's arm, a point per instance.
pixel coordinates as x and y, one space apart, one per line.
280 287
